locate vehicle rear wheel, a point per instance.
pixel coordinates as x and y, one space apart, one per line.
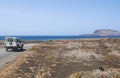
21 48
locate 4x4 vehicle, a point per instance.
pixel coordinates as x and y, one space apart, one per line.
13 43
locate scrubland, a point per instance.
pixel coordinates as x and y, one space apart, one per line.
86 58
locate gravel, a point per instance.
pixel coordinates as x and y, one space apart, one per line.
7 58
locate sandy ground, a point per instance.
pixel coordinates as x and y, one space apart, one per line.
63 58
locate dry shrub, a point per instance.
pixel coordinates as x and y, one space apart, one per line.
96 74
106 74
82 75
49 57
109 57
34 48
105 48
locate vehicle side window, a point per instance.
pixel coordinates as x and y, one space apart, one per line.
17 40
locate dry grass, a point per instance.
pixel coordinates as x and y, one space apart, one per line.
49 58
59 59
109 57
96 74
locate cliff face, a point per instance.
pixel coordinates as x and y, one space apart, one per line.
106 32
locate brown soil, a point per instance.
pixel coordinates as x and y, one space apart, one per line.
47 60
1 44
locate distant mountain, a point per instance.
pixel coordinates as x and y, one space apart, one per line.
104 32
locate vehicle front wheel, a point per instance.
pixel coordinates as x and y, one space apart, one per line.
6 49
15 48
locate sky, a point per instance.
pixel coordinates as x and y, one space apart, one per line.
58 17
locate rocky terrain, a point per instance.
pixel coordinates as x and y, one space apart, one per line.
86 58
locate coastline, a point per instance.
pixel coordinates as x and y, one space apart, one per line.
47 38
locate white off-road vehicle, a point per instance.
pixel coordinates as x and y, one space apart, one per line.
13 43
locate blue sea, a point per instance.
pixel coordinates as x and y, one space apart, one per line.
47 38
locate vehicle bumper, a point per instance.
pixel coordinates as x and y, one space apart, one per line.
10 47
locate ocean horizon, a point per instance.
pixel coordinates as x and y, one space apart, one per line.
47 38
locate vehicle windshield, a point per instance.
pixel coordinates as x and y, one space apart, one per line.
9 40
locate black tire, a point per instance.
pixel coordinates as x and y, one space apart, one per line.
15 48
6 49
21 48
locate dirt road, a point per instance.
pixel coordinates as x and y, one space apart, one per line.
7 58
